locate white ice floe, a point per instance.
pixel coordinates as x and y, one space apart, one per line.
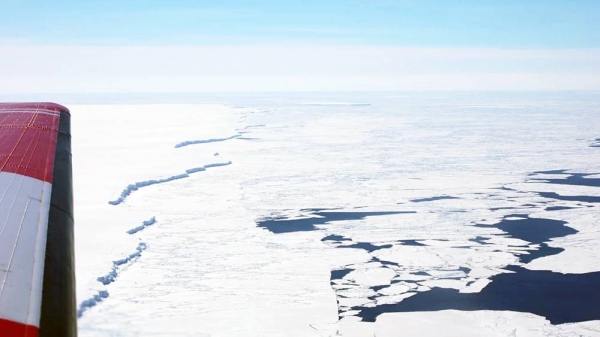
447 273
394 298
372 277
412 277
356 292
349 302
396 289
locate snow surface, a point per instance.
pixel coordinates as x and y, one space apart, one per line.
457 179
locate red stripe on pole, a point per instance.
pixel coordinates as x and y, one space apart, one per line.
28 139
14 329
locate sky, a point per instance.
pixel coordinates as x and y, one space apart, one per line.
187 46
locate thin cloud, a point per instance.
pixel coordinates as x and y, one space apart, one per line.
97 69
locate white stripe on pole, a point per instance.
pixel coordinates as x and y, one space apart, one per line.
24 206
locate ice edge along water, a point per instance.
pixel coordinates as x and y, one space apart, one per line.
535 234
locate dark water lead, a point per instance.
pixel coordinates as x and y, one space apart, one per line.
482 240
280 225
440 197
493 209
338 274
580 198
342 241
563 171
561 298
369 247
543 251
534 230
333 237
558 208
411 243
577 179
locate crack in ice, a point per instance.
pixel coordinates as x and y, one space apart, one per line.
143 226
240 133
137 185
91 302
204 141
114 272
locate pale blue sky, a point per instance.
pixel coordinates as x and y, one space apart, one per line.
460 23
226 45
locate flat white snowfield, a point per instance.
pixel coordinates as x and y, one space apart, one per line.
363 215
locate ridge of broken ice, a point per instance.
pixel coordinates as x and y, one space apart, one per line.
137 185
143 226
112 275
91 302
204 141
114 272
240 133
